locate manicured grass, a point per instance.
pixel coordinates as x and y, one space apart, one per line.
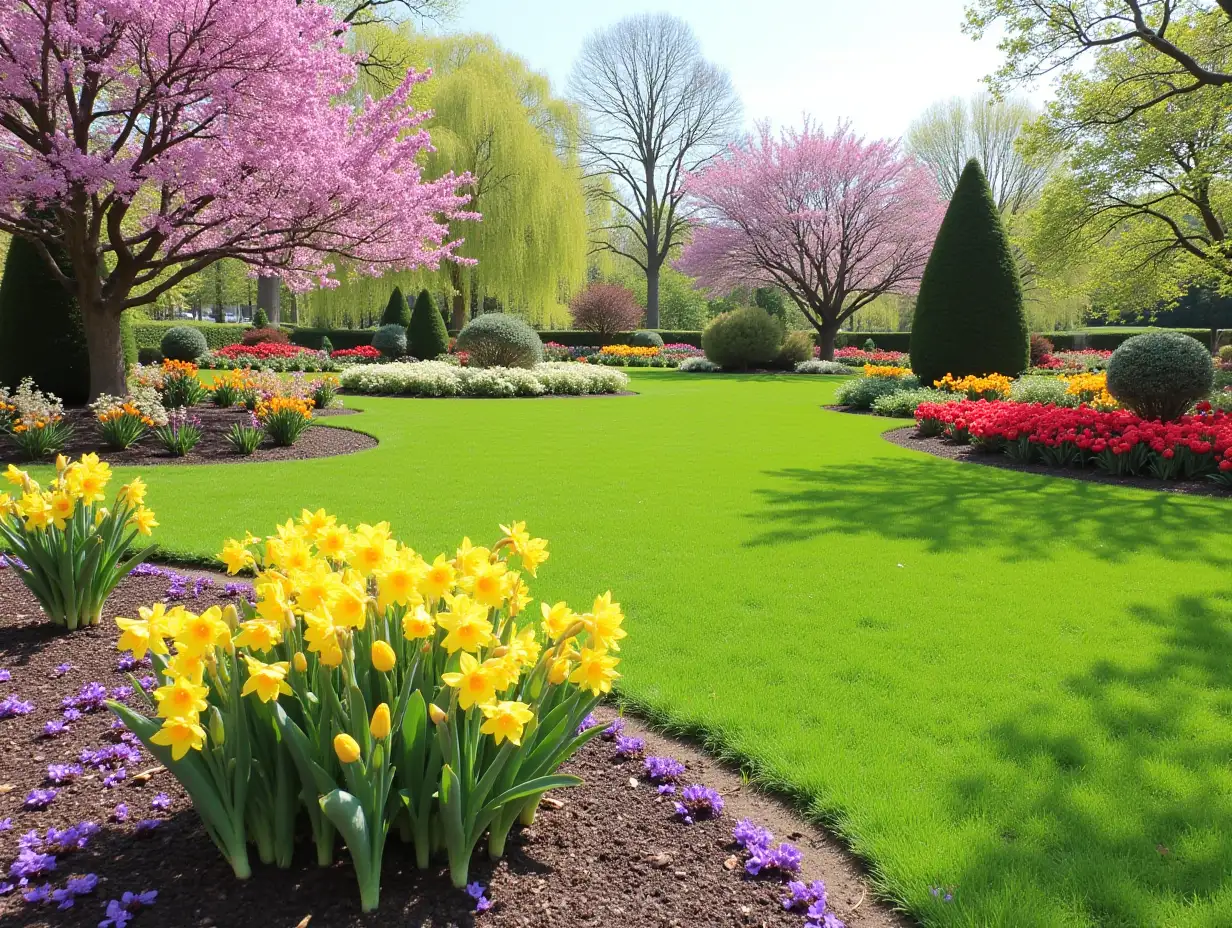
1014 687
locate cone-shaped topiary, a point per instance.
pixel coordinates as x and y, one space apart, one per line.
259 319
41 333
969 316
426 336
397 312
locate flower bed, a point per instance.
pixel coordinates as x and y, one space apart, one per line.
1117 442
439 379
1086 359
858 357
274 356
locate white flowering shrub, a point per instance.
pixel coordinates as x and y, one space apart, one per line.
436 378
822 367
698 366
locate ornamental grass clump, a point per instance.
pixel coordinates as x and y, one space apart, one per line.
180 433
246 437
75 548
372 690
35 420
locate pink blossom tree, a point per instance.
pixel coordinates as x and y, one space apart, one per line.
150 138
833 220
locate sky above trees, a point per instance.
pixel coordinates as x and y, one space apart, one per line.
878 63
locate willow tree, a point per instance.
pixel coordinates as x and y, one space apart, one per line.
496 119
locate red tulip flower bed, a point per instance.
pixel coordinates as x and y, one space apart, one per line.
1118 443
263 351
362 353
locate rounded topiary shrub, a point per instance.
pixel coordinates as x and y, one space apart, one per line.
500 340
1159 375
644 338
183 343
390 340
742 337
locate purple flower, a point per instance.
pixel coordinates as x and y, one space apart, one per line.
120 813
76 886
5 675
91 698
72 715
127 662
11 707
937 893
476 892
38 894
147 683
115 779
801 896
610 733
235 590
121 693
62 669
666 789
785 858
818 917
63 773
587 723
161 802
627 747
54 728
6 824
31 863
664 769
146 826
699 802
120 911
6 887
40 798
146 569
68 840
749 835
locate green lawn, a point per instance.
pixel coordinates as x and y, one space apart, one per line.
1014 687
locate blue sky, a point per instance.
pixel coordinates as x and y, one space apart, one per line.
875 62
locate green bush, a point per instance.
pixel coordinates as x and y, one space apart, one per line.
339 338
390 340
260 320
326 345
1225 353
969 316
1159 375
742 337
797 348
397 312
149 334
902 405
862 392
645 338
500 340
813 366
183 343
41 334
1041 390
427 337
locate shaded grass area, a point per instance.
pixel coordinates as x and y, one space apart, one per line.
1012 687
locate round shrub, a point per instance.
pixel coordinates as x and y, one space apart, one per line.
270 336
902 405
1159 375
260 319
698 366
1225 354
183 343
1040 346
606 309
822 367
390 340
1042 390
742 337
500 340
797 348
861 392
644 338
149 356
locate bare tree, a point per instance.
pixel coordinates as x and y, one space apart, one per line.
950 133
657 110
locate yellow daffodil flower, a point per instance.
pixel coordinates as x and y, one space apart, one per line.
556 619
334 542
199 634
266 680
321 636
438 579
466 623
383 657
418 624
143 520
349 606
506 720
133 492
62 508
603 623
469 558
486 585
236 556
473 681
380 724
181 698
314 523
258 635
347 748
181 735
187 666
595 671
371 548
299 662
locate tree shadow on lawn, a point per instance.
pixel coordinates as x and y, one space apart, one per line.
1115 796
1020 517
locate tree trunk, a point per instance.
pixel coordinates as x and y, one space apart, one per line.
269 297
827 334
457 321
652 297
106 352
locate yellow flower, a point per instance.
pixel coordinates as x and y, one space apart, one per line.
523 647
288 554
506 720
198 634
187 667
398 582
162 622
266 680
62 508
466 623
135 637
595 671
18 478
516 592
436 713
133 493
299 662
347 748
258 634
7 506
35 509
272 602
603 623
321 636
516 534
380 724
371 548
182 698
556 619
143 520
236 556
383 657
334 541
418 624
473 681
438 580
349 606
558 673
504 671
314 586
88 478
486 584
469 558
315 523
534 554
181 735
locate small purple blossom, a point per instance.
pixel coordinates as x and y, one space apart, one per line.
38 894
748 834
63 773
62 669
121 693
666 789
147 683
237 590
54 728
610 733
120 813
6 824
664 769
72 715
31 863
76 886
68 840
627 746
147 826
12 706
115 778
91 698
698 801
127 662
161 802
476 892
5 675
587 723
785 858
801 895
120 911
40 798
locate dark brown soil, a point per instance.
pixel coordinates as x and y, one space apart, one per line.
317 442
611 856
907 437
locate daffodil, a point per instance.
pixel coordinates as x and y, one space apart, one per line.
266 680
236 556
199 634
486 584
517 593
135 637
398 582
534 554
87 479
371 548
187 666
181 735
35 509
473 681
133 492
288 554
333 542
595 671
438 579
315 523
347 748
418 623
258 635
349 606
603 623
143 521
470 558
506 720
321 636
523 647
380 724
62 508
17 478
272 602
556 619
300 662
383 657
315 585
181 698
466 623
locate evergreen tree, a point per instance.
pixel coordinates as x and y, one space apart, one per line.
969 316
41 332
397 312
426 336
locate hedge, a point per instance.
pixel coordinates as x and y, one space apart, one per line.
576 339
339 338
150 333
1110 339
885 341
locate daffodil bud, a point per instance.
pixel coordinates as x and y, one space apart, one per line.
299 662
383 657
231 617
347 748
500 651
218 732
379 726
436 713
426 648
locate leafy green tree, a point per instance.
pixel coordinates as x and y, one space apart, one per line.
969 316
427 337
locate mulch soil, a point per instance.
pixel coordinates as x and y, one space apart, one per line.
609 854
317 442
907 437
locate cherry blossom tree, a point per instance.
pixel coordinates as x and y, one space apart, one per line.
833 220
149 139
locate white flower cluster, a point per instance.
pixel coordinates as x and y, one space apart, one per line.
822 367
145 398
29 404
698 366
436 378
